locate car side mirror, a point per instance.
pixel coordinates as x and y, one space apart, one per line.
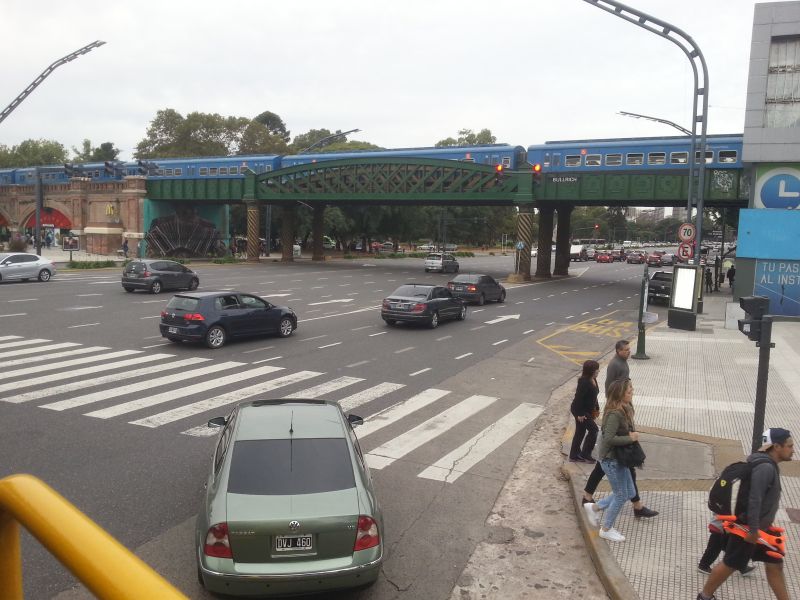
355 420
218 422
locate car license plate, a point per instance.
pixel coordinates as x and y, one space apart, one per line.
173 330
132 275
284 543
459 288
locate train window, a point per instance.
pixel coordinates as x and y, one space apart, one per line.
572 160
709 156
269 168
168 172
546 159
203 171
472 160
678 158
657 158
507 162
233 170
613 160
223 170
727 156
636 158
178 171
212 170
593 160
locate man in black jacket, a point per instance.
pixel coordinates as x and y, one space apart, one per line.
762 505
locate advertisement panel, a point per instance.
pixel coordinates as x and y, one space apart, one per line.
779 280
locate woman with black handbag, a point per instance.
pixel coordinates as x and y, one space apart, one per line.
617 431
585 409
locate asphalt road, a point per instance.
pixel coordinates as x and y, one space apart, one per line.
94 402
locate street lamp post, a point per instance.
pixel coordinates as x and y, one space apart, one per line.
327 138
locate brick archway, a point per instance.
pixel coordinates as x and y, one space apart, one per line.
49 216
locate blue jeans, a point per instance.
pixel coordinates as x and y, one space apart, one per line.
621 487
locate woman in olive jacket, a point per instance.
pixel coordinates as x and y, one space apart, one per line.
585 408
617 430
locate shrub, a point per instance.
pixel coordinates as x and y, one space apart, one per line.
225 260
91 264
17 244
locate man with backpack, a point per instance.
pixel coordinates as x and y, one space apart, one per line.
756 505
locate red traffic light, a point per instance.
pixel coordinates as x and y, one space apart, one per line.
537 168
499 168
596 226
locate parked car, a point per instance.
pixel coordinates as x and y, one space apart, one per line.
450 248
24 266
422 303
214 317
591 254
660 286
289 505
604 257
438 261
635 258
474 287
577 252
155 275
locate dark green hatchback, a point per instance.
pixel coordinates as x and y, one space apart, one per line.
289 506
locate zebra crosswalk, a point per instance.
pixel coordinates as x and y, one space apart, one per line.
156 389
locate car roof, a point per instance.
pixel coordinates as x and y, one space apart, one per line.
295 418
210 294
420 285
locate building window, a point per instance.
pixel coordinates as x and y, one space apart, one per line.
593 160
727 156
656 158
679 158
635 159
783 83
613 160
572 160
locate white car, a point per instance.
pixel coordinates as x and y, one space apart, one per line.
437 261
534 252
24 266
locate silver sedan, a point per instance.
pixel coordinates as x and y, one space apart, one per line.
24 266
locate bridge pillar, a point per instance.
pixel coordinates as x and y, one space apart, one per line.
253 245
562 241
287 234
524 235
317 226
545 241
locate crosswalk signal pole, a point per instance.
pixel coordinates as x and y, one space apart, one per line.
640 342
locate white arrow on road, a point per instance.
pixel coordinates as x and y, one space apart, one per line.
500 319
340 300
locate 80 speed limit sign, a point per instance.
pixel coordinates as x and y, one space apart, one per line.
686 232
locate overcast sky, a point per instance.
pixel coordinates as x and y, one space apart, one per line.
406 73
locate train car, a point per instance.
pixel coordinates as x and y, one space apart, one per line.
635 154
208 166
511 157
51 174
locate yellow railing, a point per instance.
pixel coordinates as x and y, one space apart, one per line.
101 563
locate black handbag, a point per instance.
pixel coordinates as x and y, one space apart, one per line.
631 455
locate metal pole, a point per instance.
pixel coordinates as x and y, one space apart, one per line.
268 219
37 233
765 344
640 342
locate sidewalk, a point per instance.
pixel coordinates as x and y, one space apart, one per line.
61 257
694 403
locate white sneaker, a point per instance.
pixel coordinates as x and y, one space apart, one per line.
592 514
612 535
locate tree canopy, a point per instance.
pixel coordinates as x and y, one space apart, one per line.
274 125
105 151
466 137
31 153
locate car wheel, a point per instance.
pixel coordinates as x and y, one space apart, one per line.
44 275
215 337
434 323
426 270
463 313
285 327
502 297
155 287
481 300
127 288
390 322
193 284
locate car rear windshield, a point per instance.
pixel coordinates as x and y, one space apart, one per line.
135 267
283 467
411 291
434 257
183 303
663 276
467 278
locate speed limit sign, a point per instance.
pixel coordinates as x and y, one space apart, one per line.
685 251
686 232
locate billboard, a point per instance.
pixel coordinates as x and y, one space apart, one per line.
779 280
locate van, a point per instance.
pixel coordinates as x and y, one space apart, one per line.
578 252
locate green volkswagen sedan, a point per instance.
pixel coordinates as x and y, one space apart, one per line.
289 505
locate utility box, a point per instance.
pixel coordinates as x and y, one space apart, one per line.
686 288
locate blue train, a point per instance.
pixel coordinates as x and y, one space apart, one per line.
635 154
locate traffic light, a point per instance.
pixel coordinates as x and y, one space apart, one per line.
115 169
537 173
147 167
755 307
596 227
498 173
70 170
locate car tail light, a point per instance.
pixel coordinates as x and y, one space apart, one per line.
472 288
386 305
146 274
419 307
367 535
217 542
194 317
450 285
163 314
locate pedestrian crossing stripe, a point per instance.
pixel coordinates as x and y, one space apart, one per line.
101 368
25 351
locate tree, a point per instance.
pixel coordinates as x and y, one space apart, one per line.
106 151
31 153
257 139
466 137
274 125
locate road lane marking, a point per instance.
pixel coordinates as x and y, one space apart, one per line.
463 356
387 453
24 300
329 345
404 350
85 325
14 315
258 362
451 466
356 400
154 317
379 333
535 299
477 310
326 388
86 383
68 363
316 337
86 295
415 373
45 357
259 349
362 327
399 411
140 386
441 339
156 345
202 406
550 323
357 364
19 343
570 317
4 338
478 327
528 331
342 314
500 342
147 402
